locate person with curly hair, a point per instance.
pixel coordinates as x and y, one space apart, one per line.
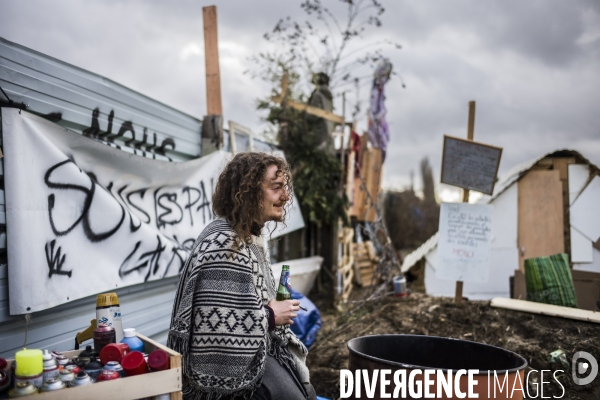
234 337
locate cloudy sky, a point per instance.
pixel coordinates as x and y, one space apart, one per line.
533 67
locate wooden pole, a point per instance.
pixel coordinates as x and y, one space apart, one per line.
214 105
458 293
470 131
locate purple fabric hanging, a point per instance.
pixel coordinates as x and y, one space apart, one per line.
378 132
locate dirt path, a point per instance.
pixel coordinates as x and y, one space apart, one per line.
532 336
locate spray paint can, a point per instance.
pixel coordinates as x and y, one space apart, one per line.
66 376
92 369
22 389
60 358
4 381
399 286
108 311
104 334
114 366
52 384
50 366
81 379
108 375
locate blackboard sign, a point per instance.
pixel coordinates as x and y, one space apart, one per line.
470 165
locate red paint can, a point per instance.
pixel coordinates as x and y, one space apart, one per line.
134 364
108 375
114 352
158 360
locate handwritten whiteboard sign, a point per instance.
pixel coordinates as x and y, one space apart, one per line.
464 245
470 165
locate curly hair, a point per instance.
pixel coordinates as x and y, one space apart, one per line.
238 195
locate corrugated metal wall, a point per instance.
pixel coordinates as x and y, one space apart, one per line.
119 117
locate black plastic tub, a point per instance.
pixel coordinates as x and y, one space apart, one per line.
409 352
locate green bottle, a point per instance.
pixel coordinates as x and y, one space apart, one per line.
284 291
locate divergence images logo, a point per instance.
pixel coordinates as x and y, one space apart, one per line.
582 367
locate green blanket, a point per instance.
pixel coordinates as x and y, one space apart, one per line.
549 280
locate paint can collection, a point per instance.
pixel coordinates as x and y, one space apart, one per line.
33 371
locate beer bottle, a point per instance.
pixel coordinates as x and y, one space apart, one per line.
284 291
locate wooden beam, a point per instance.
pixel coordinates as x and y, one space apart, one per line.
214 105
471 128
458 290
311 110
470 135
546 309
284 88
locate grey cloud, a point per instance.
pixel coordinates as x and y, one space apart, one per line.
535 83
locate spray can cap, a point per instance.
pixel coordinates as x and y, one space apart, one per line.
129 332
107 299
47 356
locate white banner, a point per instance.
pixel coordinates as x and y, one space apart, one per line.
84 218
464 242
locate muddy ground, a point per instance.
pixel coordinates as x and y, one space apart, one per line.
532 336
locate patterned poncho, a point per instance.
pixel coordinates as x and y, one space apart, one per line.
219 323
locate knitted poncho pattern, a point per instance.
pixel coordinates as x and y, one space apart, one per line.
219 324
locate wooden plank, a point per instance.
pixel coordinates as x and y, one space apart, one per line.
319 112
359 195
371 250
458 288
350 172
214 105
540 215
174 359
471 126
562 166
133 387
546 309
357 276
371 172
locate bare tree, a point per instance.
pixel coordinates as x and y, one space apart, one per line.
328 40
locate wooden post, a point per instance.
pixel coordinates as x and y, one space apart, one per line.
211 57
212 124
458 293
470 131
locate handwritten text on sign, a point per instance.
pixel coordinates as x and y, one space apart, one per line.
464 246
470 165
